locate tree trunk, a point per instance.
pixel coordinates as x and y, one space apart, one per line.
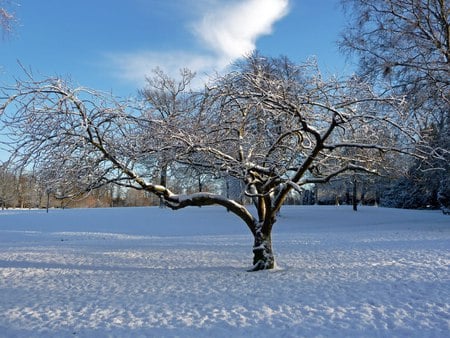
163 182
48 201
263 257
354 199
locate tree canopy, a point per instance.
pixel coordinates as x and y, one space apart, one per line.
273 125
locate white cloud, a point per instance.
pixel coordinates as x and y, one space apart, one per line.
134 67
227 30
232 30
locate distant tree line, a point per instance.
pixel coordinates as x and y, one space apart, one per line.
27 191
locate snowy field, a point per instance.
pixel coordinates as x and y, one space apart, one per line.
147 272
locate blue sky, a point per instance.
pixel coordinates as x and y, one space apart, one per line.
112 45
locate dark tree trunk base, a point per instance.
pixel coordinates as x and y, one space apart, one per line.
263 258
262 266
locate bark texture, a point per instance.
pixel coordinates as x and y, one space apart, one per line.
263 257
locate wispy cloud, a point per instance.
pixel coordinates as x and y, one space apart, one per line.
227 30
232 30
133 67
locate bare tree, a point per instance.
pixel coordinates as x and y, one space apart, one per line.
7 187
407 42
7 17
166 97
271 124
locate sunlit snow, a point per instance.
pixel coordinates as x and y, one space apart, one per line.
153 272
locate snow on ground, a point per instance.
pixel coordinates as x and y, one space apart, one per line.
148 272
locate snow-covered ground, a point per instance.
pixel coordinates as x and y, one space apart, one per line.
148 272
